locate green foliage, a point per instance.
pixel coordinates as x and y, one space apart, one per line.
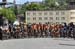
32 6
49 2
45 5
9 14
62 4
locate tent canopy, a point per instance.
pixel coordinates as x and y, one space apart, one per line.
16 23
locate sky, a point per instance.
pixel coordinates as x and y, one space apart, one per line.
22 1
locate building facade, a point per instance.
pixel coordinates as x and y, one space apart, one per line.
57 16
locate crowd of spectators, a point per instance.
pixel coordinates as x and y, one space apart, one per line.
38 31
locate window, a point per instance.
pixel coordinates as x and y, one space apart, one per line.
28 13
28 18
34 18
57 13
51 18
51 13
57 18
40 13
72 12
45 13
34 13
62 13
45 18
40 18
72 17
62 18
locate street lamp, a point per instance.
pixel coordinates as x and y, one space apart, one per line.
15 7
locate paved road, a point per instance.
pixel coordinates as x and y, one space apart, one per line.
38 43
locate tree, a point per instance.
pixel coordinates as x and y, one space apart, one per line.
45 5
50 3
33 6
62 4
9 14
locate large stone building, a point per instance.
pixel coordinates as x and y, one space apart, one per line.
58 17
53 16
